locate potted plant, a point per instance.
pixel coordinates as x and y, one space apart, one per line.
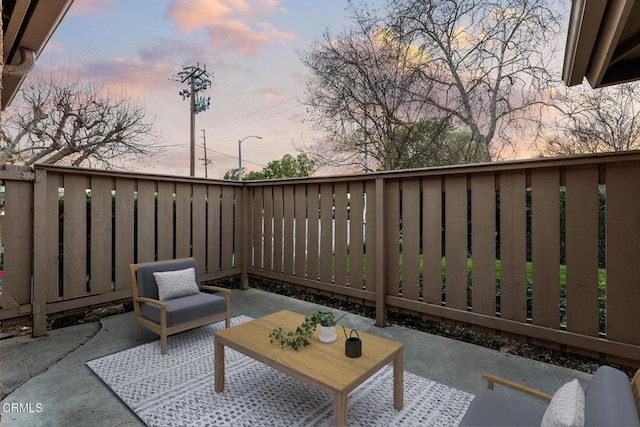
327 326
300 337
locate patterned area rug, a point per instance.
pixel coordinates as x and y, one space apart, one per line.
177 390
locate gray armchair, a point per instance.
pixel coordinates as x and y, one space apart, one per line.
167 299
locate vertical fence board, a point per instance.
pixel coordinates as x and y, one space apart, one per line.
239 238
392 230
18 240
75 236
258 228
356 229
313 233
101 234
623 252
340 221
326 232
146 221
199 233
268 227
227 230
456 241
214 204
124 242
483 243
300 230
183 220
165 220
54 182
411 238
432 240
545 246
278 235
288 208
513 246
370 235
582 250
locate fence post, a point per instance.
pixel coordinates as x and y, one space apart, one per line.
41 275
379 254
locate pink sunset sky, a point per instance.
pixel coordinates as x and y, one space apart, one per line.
250 46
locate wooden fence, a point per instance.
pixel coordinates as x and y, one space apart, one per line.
513 247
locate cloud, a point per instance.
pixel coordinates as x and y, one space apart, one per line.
236 25
90 7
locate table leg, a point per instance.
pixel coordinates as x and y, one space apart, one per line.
218 365
340 409
398 380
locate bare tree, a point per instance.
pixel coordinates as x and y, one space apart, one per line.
362 97
595 121
487 63
77 124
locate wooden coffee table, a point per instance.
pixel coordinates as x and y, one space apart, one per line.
320 365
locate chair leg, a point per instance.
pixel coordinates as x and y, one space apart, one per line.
136 330
227 321
163 344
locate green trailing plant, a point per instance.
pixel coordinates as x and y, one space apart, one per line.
299 338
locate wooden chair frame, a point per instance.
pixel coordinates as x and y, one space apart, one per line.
161 328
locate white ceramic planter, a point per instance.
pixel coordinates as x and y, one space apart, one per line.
327 334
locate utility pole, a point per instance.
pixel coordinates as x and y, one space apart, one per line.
198 80
206 161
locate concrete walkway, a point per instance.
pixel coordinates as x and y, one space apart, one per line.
45 381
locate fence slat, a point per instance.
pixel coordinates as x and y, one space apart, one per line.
214 194
75 236
582 250
356 229
199 234
183 220
288 211
300 230
146 221
124 242
18 241
326 232
545 246
411 238
258 228
101 234
623 252
268 228
313 233
340 263
513 246
483 243
278 232
227 231
432 240
165 220
392 230
371 229
456 241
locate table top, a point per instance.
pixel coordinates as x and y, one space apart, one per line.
323 365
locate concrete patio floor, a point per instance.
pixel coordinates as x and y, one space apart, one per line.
48 378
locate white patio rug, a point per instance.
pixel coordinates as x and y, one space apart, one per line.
177 390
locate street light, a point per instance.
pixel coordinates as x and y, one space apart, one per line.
240 154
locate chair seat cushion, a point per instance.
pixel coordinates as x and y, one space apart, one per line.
186 309
491 408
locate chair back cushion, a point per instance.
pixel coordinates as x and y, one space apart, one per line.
147 285
609 399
